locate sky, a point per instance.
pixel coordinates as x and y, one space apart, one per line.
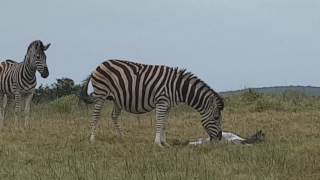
230 44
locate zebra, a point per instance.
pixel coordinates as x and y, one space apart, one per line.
18 80
140 88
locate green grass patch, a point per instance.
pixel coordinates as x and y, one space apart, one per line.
56 146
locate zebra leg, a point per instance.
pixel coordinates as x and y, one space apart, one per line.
162 109
6 99
95 117
27 109
164 126
115 117
2 97
17 109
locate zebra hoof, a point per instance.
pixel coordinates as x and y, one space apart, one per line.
159 144
165 144
92 139
120 134
26 126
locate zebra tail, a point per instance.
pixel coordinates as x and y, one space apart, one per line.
84 91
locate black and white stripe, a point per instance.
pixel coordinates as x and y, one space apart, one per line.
18 80
140 88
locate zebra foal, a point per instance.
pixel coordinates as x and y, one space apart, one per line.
18 80
140 88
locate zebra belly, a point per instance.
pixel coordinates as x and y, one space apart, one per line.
6 86
6 89
135 107
137 110
134 100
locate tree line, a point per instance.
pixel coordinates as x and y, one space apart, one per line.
62 87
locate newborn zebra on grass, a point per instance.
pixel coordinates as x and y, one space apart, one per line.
140 88
235 139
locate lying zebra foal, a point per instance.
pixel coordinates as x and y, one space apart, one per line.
235 139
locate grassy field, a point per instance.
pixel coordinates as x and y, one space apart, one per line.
56 145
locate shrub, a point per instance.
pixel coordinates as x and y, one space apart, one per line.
65 104
250 96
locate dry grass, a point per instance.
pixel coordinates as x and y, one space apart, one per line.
57 147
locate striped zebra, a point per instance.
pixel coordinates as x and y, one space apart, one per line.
140 88
18 80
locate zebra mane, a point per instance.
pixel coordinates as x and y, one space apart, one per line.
11 61
36 43
189 75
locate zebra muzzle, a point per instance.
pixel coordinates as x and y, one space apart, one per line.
45 72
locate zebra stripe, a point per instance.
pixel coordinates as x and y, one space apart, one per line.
140 88
18 80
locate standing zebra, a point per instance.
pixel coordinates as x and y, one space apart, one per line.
18 80
140 88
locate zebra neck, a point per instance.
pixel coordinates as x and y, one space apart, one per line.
29 71
28 66
199 100
195 94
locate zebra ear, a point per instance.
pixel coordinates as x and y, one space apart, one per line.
46 47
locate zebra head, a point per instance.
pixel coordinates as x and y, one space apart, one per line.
37 58
212 117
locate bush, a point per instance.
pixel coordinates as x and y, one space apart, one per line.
63 87
250 96
255 102
65 104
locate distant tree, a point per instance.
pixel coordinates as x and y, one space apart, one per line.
62 87
43 94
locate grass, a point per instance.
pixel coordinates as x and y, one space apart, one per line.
56 146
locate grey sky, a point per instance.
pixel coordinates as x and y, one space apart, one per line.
230 44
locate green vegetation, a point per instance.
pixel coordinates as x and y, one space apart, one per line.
279 90
289 101
66 104
56 146
62 87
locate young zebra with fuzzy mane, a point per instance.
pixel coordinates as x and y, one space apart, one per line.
140 88
18 80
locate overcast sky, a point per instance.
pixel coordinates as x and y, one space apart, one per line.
230 44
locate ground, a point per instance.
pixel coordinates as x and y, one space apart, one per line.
57 146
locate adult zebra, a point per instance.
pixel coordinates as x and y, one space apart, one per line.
18 80
140 88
